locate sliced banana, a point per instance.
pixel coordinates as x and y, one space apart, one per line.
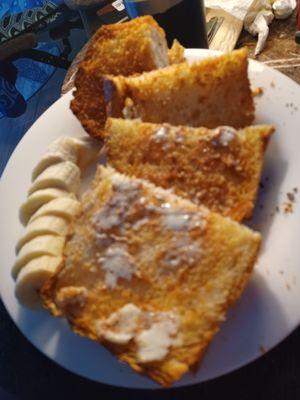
46 225
37 199
88 151
32 277
61 207
48 211
39 246
64 175
85 148
80 151
48 159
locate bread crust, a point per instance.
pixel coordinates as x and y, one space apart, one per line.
199 293
192 161
129 48
210 93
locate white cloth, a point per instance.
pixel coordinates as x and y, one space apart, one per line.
260 28
283 8
237 8
256 14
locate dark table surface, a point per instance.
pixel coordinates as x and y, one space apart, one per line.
26 373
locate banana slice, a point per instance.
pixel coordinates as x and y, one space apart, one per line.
37 199
46 245
88 151
81 151
62 149
48 159
64 175
47 225
32 277
63 207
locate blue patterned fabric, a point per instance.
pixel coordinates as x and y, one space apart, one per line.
28 86
16 15
29 76
10 7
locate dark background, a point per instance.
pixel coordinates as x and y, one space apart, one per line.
28 374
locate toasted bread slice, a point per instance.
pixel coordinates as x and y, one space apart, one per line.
218 168
208 93
149 274
132 47
176 53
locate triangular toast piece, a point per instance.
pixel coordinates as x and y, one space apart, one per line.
217 168
132 47
211 92
149 274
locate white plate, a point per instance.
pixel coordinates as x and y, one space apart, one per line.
269 309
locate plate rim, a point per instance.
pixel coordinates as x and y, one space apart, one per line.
5 175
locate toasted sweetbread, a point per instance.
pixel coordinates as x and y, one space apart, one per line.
218 168
149 274
211 92
132 47
176 53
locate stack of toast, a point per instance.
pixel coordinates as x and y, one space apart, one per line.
156 253
125 49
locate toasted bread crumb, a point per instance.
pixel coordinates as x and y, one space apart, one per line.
258 91
289 205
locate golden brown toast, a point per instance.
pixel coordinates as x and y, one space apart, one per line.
176 53
208 93
218 168
132 47
149 274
